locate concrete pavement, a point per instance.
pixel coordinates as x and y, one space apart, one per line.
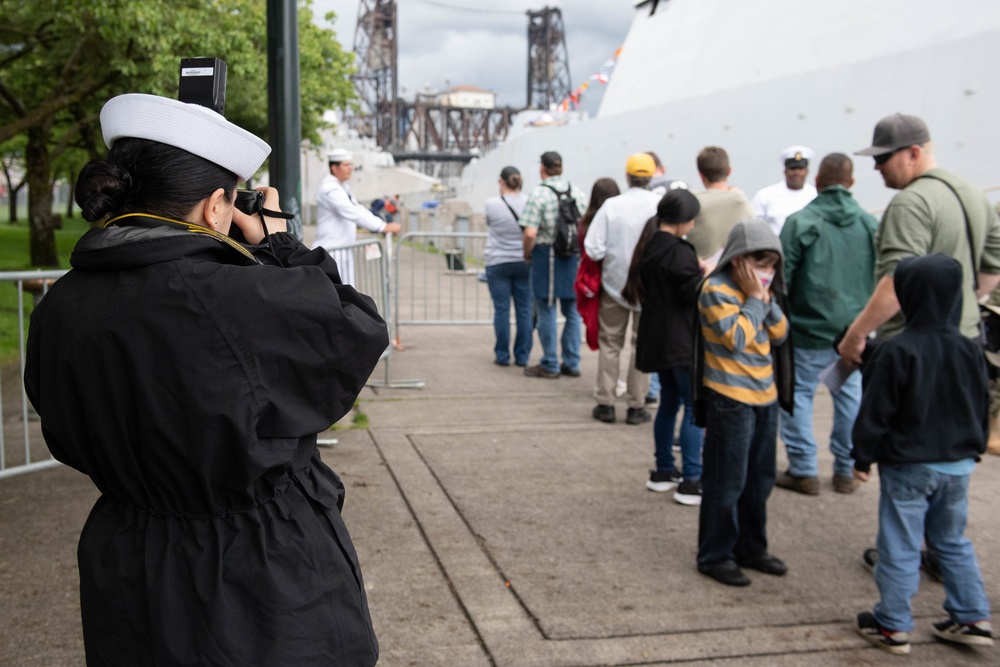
498 525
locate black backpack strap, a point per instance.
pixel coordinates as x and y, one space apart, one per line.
558 194
512 212
968 228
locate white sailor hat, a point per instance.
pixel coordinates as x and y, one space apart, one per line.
796 156
339 155
191 127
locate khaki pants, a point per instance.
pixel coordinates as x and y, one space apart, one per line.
613 319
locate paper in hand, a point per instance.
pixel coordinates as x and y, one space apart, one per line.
835 375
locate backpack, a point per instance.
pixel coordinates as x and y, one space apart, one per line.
567 242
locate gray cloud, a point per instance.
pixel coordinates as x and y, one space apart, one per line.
488 48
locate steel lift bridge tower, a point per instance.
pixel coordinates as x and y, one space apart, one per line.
548 62
424 129
375 52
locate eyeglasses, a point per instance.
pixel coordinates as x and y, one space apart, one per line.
885 157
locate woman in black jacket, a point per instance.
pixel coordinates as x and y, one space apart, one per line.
188 375
664 277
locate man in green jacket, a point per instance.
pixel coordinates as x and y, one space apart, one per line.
830 268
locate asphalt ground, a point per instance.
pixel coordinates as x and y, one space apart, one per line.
498 524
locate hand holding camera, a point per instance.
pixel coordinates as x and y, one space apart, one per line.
256 214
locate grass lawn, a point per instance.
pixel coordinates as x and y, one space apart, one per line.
15 256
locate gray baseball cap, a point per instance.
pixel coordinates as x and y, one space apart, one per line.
896 131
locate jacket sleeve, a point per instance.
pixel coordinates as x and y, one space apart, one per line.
686 276
596 243
776 323
881 385
791 249
728 322
306 343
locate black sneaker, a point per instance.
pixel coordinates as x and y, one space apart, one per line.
661 482
637 416
539 371
897 642
726 572
979 633
689 492
768 564
869 558
566 370
604 413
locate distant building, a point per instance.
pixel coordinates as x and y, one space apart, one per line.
468 97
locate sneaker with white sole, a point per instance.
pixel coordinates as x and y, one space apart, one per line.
897 641
689 492
979 633
661 482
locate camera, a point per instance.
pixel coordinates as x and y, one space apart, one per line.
250 202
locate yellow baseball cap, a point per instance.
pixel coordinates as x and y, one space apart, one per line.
641 165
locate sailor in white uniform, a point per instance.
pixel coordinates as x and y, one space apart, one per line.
776 202
339 214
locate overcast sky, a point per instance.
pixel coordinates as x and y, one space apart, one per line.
485 44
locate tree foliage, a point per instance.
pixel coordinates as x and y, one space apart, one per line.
60 60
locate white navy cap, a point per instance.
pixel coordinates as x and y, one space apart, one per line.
796 156
339 155
191 127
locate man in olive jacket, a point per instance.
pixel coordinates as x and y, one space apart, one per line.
830 268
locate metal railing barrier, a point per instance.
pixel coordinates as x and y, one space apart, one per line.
438 279
32 454
367 265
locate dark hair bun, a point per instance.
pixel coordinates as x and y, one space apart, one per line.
678 206
511 177
102 187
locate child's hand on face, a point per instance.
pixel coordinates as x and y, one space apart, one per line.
746 278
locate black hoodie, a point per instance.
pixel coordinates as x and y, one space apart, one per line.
670 277
925 397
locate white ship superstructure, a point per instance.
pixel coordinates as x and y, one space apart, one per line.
755 76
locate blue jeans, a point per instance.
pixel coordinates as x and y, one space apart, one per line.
675 389
654 385
739 453
797 430
916 502
547 331
506 281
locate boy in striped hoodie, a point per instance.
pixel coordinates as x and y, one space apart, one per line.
743 369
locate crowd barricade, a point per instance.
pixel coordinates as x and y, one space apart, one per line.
22 448
367 265
439 278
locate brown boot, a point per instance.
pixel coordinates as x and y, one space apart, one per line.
806 485
843 484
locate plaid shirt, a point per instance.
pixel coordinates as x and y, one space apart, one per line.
542 208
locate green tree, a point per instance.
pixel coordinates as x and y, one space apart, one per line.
11 163
60 60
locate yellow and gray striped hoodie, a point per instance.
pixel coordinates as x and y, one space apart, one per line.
743 346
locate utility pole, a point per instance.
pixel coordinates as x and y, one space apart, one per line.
284 110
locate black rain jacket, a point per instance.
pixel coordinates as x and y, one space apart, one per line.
188 376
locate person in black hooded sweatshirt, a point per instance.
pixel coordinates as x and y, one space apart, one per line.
924 420
663 277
